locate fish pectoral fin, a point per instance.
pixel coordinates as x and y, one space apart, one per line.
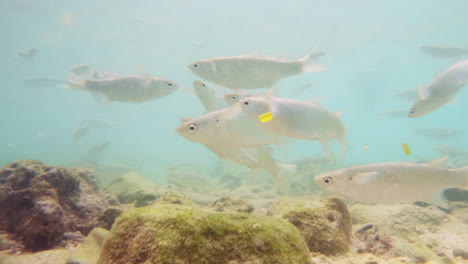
366 177
421 94
316 100
439 163
102 99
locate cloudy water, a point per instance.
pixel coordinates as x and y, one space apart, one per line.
359 99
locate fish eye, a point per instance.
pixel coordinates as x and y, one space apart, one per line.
246 102
192 128
412 111
195 65
204 85
234 97
169 84
327 180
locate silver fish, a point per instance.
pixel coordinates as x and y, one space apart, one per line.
444 51
440 90
80 69
451 151
124 88
252 71
208 96
393 182
439 133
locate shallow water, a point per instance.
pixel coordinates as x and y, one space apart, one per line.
372 51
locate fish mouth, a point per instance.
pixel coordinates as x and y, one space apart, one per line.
179 130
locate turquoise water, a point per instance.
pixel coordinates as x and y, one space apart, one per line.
372 52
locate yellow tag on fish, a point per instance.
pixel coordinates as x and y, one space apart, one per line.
265 117
406 148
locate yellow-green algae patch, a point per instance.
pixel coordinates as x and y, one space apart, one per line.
180 234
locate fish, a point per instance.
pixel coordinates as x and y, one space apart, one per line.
105 75
44 81
29 53
79 69
439 133
80 133
252 71
297 119
451 151
393 182
208 96
399 113
99 148
440 90
235 130
444 51
124 88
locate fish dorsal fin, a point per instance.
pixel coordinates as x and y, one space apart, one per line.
421 94
365 177
439 162
145 74
316 100
338 114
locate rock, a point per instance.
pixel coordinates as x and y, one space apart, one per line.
90 250
112 199
166 233
372 240
229 204
173 198
107 218
128 187
460 253
400 260
325 224
144 199
40 203
369 259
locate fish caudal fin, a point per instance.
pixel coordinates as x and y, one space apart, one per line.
75 82
309 64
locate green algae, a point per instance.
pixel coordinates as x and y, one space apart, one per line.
180 234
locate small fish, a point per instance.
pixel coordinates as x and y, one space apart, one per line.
235 130
440 91
98 149
208 96
252 71
29 53
105 75
44 81
79 69
444 51
439 133
124 88
400 113
80 133
406 149
297 119
393 182
451 151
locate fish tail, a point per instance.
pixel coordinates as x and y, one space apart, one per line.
75 82
309 64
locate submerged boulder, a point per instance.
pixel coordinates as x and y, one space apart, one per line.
232 205
89 251
325 225
131 187
167 233
40 203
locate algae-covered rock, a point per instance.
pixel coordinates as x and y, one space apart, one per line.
232 205
39 203
174 198
89 251
128 187
107 218
165 233
325 224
